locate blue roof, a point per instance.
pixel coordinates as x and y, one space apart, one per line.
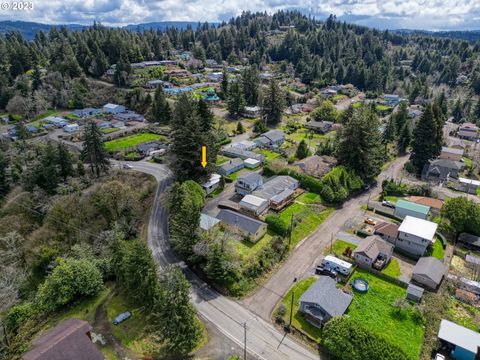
408 205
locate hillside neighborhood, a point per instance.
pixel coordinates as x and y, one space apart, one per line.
272 187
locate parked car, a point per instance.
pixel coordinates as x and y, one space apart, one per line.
370 221
322 270
122 317
440 357
127 166
388 204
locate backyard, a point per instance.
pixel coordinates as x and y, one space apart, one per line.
130 141
463 314
375 311
338 248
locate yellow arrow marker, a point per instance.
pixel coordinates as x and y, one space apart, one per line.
204 156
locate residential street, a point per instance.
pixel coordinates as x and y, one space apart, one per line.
308 252
229 317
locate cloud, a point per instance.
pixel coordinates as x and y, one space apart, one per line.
413 14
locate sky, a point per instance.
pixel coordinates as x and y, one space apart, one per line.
382 14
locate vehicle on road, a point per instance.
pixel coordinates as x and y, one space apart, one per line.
322 270
122 317
370 221
388 204
127 166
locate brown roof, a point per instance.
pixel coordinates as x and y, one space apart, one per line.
372 246
385 228
316 165
68 340
427 201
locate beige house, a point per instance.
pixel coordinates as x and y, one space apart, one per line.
450 153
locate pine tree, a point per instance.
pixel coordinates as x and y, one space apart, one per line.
273 103
359 147
174 317
36 79
424 143
206 115
235 99
4 184
240 128
224 84
476 112
161 111
250 82
390 132
64 161
405 138
302 150
457 112
122 71
93 151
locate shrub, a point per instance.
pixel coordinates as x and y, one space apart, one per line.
348 340
277 225
19 314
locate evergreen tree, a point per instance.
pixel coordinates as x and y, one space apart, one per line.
161 111
206 115
235 99
457 112
325 112
224 84
424 143
36 79
122 71
442 103
250 82
259 127
400 117
93 151
4 184
273 103
359 147
240 128
64 161
216 263
405 138
174 317
476 113
346 115
390 132
302 150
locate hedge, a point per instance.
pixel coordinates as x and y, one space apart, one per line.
277 225
346 339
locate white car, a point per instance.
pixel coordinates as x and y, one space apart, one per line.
127 166
439 357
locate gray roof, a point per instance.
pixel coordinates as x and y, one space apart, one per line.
415 290
236 152
431 268
460 336
207 222
277 186
243 222
231 164
324 293
252 177
469 239
446 163
274 135
452 150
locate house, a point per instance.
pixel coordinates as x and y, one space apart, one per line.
251 163
32 129
404 208
245 145
265 76
248 183
56 121
71 128
468 131
212 63
252 229
414 292
105 125
237 152
230 166
129 116
113 108
323 301
374 252
315 165
440 170
86 112
215 76
415 235
153 84
470 241
177 73
278 191
462 343
434 204
254 204
469 186
251 112
469 285
321 127
391 100
451 153
414 113
387 231
212 184
147 149
70 339
429 272
211 97
207 222
271 139
177 91
472 261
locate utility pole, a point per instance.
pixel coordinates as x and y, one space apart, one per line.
244 341
291 307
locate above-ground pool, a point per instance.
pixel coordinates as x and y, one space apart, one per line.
361 285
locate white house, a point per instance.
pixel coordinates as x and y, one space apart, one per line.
71 128
415 235
212 183
113 108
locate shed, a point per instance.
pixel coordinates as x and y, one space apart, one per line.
470 241
429 272
207 222
212 183
404 208
71 128
414 292
254 204
251 163
464 343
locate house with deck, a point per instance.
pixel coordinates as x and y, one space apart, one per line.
415 235
271 139
248 183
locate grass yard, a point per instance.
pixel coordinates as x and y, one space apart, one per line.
221 159
339 247
130 141
108 130
357 104
383 108
269 155
393 269
438 251
307 218
297 320
375 311
246 249
392 199
310 137
478 191
236 174
463 314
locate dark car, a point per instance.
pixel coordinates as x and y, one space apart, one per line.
122 317
322 270
388 204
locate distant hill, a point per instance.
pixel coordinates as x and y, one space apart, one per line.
29 29
470 35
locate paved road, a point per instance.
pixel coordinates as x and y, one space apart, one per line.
263 340
308 252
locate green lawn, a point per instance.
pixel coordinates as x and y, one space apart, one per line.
393 269
357 104
46 114
246 248
109 130
297 320
383 107
478 191
221 159
310 137
307 217
269 155
339 247
375 311
130 141
392 199
438 251
463 314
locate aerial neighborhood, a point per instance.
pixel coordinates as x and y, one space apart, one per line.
275 176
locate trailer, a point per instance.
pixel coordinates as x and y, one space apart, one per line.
340 266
